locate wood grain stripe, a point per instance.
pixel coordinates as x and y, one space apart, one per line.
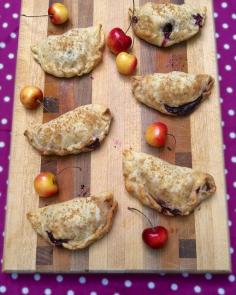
82 89
44 255
68 94
155 59
212 250
18 231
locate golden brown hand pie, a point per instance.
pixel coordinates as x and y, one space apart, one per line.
169 189
77 223
175 93
80 130
167 24
74 53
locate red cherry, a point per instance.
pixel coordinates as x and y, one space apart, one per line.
155 237
118 41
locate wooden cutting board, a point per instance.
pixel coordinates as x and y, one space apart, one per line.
197 243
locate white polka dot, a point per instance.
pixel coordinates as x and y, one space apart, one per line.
14 276
13 35
217 35
231 278
5 25
225 26
185 274
15 15
93 293
227 196
215 15
174 287
47 291
218 55
234 183
151 285
25 290
1 66
229 223
231 112
105 282
231 250
3 289
82 280
233 15
197 289
221 100
37 277
208 276
232 135
59 278
116 293
221 291
11 55
128 283
229 90
2 45
234 36
226 171
224 4
233 159
226 46
7 5
228 67
70 292
162 274
6 98
2 144
1 169
9 77
4 121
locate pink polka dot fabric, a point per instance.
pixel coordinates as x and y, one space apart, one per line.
96 284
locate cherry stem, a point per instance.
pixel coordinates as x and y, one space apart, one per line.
40 102
42 15
173 138
73 167
131 20
130 208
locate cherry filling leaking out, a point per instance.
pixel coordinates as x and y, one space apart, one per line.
198 20
184 109
56 242
167 30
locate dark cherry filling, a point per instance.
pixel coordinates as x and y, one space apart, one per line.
95 144
56 242
198 20
165 208
167 30
184 109
134 19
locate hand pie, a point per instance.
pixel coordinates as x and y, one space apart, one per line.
169 189
175 93
166 24
80 130
77 223
71 54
